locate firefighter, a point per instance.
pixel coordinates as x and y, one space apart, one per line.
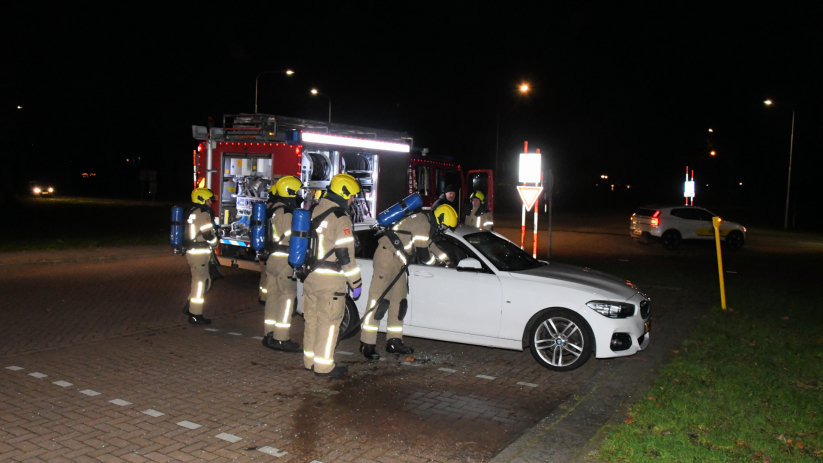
410 240
261 292
448 197
201 238
281 287
480 216
324 290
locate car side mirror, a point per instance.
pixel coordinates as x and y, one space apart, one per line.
469 264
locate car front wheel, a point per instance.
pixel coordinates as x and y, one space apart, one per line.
561 340
671 239
735 240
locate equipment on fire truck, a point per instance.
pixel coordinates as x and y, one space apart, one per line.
400 210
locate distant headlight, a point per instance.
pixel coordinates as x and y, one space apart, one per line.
51 190
36 190
612 309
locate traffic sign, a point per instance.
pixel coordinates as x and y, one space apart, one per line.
529 194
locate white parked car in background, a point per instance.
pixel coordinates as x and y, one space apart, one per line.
671 225
497 295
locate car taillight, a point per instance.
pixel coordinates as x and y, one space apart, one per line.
654 221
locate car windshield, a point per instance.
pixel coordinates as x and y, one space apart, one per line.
504 254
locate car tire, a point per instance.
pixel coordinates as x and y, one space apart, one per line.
735 240
350 325
561 340
671 239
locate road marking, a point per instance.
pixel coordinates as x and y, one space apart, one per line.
14 368
623 260
89 392
152 412
259 338
730 271
235 334
343 352
521 383
485 377
189 424
272 451
228 437
412 364
63 383
120 402
211 329
38 375
447 370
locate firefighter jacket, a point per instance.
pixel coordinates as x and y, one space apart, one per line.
480 218
335 244
414 233
201 234
279 230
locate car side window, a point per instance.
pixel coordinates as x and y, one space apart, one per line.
701 214
682 213
366 244
457 251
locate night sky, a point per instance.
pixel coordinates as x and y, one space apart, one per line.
624 89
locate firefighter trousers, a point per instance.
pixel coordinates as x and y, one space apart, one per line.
386 268
263 287
200 281
281 290
324 303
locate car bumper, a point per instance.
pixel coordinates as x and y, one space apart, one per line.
622 337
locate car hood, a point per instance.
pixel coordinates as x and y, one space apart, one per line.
594 281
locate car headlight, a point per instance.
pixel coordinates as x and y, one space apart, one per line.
36 190
612 309
51 190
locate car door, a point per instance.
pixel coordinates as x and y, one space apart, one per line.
446 299
686 223
705 228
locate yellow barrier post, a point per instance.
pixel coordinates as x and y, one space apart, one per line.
716 223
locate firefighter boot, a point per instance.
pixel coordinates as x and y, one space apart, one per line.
195 319
368 351
396 346
285 346
337 372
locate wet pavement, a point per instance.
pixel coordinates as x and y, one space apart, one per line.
98 364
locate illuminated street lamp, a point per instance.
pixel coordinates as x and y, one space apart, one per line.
524 89
288 72
789 181
315 92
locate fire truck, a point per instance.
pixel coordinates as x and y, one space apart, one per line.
241 160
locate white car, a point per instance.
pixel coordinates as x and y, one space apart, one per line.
671 225
499 296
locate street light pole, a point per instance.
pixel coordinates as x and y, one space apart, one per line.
789 182
315 92
288 72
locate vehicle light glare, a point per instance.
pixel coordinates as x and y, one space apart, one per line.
51 190
36 190
612 309
655 222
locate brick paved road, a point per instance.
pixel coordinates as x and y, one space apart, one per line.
89 333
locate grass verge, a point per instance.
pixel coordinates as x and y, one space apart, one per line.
746 386
59 223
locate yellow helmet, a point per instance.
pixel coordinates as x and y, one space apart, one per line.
479 195
446 215
344 185
287 187
201 195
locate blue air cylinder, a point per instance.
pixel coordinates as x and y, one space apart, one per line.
176 227
299 240
406 206
258 226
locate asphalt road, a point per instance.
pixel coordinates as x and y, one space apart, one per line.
98 364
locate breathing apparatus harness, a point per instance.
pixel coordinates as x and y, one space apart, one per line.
313 261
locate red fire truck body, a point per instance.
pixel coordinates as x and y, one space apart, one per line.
242 160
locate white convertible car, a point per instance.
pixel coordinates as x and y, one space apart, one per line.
499 296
